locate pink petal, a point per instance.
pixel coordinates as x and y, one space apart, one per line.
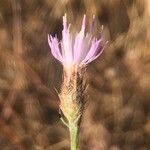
53 43
92 24
79 42
92 50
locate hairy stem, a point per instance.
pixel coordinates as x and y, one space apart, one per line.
73 129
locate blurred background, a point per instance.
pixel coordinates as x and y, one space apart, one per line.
117 115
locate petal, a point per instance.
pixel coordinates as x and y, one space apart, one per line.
54 45
66 44
65 27
92 50
94 57
92 24
77 45
79 42
83 24
98 52
65 22
67 48
84 48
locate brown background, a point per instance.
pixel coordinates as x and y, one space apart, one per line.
117 115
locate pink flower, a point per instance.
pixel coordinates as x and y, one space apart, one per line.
76 49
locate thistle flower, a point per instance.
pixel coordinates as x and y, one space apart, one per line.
76 50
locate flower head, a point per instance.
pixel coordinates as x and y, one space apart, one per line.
76 49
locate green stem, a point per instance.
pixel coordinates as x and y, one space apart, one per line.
73 136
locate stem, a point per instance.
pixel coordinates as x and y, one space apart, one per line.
73 129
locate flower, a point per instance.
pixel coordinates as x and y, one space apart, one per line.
76 49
